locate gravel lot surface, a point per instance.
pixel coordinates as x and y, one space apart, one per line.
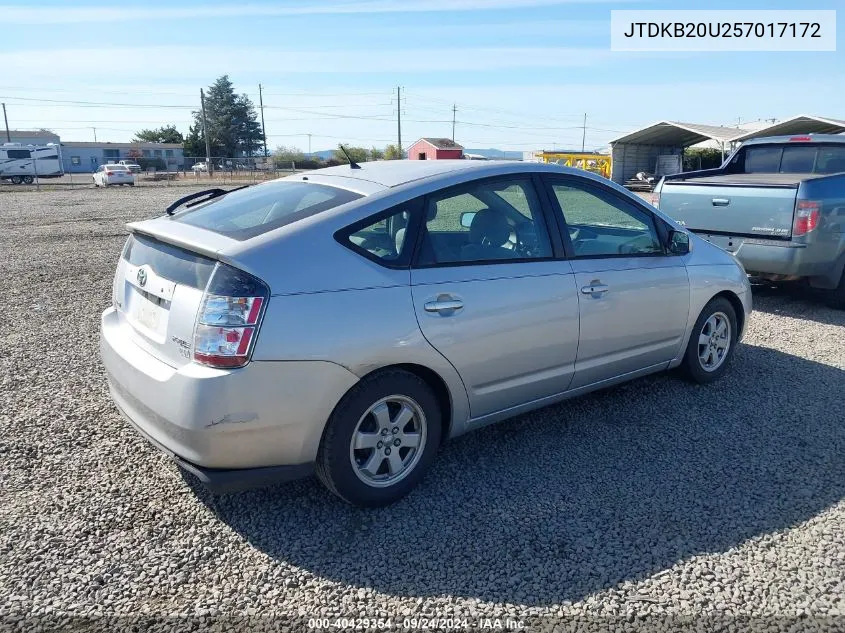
657 500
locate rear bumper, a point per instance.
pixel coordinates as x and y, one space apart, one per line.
227 480
760 256
231 428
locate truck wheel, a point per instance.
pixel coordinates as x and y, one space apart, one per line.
16 180
27 180
711 343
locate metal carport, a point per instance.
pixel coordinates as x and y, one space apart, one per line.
801 124
641 150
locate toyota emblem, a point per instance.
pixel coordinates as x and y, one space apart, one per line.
142 277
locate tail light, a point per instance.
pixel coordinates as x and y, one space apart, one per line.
807 215
229 317
109 173
655 199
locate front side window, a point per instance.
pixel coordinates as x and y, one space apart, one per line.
249 212
484 221
600 225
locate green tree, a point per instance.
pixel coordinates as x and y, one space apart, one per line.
164 134
194 144
702 158
376 154
233 127
391 152
357 154
283 156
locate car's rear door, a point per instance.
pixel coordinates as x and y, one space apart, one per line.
493 294
633 294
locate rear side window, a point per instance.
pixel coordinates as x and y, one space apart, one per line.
18 153
244 214
762 160
831 159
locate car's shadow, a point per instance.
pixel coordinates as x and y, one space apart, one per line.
797 301
567 501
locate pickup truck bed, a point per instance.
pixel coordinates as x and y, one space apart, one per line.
779 225
744 180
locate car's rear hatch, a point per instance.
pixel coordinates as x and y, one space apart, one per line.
159 285
736 205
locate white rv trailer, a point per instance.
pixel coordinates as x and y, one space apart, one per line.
22 163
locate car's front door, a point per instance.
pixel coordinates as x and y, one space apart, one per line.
491 296
633 294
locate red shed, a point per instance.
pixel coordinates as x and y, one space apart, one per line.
435 149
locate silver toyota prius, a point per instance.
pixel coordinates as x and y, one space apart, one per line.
349 320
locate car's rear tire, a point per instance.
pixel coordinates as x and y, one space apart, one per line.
28 180
836 298
380 439
712 342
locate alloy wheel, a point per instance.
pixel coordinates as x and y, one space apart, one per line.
714 341
388 441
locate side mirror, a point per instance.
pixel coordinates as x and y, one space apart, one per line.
467 218
679 242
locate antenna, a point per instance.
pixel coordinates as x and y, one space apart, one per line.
352 163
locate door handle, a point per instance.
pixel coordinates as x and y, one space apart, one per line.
444 306
721 202
595 289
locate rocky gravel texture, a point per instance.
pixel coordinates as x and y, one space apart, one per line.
658 504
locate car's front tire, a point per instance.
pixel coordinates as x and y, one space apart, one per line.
712 342
380 439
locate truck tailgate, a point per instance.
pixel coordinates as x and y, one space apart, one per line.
742 211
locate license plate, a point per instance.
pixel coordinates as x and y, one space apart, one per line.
148 314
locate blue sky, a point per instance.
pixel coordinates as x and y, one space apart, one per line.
522 72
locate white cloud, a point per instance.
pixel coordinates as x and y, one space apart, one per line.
112 13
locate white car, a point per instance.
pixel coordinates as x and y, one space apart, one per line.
131 165
199 167
107 175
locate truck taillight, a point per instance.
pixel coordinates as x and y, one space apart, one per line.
807 215
229 317
655 199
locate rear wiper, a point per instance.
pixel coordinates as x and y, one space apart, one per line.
210 194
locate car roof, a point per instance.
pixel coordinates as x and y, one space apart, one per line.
374 176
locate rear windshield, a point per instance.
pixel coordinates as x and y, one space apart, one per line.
171 262
256 210
793 159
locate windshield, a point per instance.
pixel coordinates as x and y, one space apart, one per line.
256 210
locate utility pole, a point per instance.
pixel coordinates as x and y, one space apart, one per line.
95 134
584 134
454 109
5 118
263 129
399 117
309 145
208 164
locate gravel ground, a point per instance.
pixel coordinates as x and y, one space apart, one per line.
654 502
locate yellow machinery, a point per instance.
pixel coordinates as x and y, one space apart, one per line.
596 163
